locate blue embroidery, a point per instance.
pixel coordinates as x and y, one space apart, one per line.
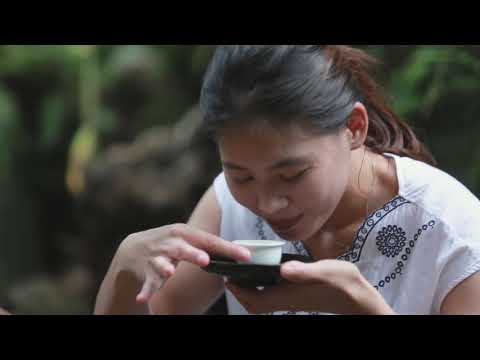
261 231
391 240
301 249
408 250
353 255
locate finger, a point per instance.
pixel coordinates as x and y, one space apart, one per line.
296 272
163 267
319 272
211 243
148 290
179 250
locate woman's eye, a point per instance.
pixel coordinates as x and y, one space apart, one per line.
243 180
295 177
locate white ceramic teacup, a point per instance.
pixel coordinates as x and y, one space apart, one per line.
264 252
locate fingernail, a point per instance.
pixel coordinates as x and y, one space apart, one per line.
203 258
290 267
246 254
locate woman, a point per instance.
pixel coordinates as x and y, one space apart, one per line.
312 154
4 312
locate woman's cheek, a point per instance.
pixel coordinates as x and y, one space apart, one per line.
313 196
243 197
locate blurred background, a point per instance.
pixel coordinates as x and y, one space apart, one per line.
98 142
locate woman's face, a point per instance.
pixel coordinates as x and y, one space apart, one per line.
292 180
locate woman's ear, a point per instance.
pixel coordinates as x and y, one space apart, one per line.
357 126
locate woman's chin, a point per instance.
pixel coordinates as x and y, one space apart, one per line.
293 235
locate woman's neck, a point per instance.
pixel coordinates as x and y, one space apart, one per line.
373 182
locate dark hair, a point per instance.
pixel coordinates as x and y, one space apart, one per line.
316 84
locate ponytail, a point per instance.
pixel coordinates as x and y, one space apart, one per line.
387 132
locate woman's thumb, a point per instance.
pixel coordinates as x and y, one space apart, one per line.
296 272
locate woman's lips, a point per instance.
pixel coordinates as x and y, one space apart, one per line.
283 226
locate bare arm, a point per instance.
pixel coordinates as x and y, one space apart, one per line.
191 290
4 312
150 258
464 299
118 292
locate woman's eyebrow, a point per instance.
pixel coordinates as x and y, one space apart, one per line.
232 166
296 161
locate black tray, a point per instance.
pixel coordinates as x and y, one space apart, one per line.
250 275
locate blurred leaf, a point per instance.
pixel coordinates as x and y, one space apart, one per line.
107 121
200 58
31 58
52 121
82 151
432 73
8 123
408 82
126 59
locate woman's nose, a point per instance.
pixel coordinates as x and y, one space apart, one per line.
271 204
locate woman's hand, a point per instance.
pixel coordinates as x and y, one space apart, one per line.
152 256
328 286
4 312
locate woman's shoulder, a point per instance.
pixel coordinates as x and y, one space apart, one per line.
224 197
439 195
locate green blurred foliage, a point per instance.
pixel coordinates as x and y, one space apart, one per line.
61 106
436 90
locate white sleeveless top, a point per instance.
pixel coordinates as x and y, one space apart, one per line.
414 250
